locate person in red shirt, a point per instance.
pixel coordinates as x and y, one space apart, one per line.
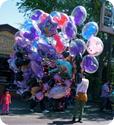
5 101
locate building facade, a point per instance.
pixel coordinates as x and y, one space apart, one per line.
7 33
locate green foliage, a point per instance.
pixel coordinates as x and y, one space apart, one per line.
92 6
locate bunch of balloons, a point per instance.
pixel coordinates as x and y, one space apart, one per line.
43 39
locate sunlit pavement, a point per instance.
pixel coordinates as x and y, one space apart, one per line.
39 119
20 115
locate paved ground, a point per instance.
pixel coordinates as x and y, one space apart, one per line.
20 115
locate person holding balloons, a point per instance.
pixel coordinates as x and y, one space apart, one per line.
80 100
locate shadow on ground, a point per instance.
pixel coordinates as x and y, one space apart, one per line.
92 113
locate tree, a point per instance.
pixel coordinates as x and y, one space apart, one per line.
57 5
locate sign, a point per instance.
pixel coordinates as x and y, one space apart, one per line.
6 42
107 19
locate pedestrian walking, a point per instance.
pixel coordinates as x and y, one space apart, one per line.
6 101
80 100
105 95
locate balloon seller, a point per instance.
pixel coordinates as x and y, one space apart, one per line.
44 50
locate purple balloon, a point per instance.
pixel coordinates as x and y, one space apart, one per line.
45 86
48 27
68 83
27 73
90 64
20 40
46 50
70 30
77 47
79 15
31 35
37 69
37 14
35 57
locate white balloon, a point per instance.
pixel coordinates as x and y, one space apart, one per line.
94 46
57 92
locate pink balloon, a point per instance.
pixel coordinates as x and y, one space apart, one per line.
95 46
59 44
43 17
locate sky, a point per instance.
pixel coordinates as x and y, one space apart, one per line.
9 13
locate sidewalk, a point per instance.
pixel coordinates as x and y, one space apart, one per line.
21 115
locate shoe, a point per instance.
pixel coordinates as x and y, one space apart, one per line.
7 113
73 119
80 121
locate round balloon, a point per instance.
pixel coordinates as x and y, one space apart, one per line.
70 30
89 29
79 15
57 92
77 47
95 46
89 64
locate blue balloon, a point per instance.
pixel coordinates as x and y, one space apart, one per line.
29 32
89 29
